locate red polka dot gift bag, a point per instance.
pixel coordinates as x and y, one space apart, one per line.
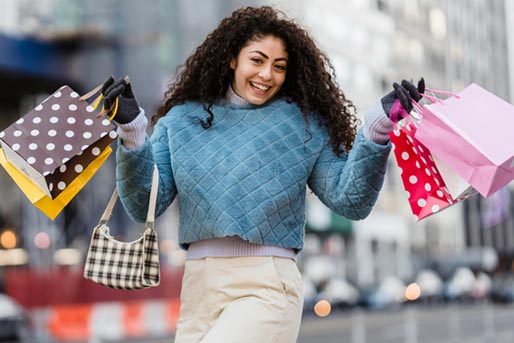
55 147
425 187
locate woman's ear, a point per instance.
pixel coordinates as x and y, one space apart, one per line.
233 63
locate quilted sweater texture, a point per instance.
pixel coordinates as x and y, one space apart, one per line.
247 174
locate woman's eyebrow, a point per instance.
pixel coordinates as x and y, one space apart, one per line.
266 56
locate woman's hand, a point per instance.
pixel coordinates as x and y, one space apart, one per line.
128 108
404 93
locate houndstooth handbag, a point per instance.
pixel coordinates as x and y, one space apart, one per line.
120 265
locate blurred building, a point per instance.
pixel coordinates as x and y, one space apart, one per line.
489 223
357 36
47 43
453 44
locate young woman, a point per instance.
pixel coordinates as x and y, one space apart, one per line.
252 120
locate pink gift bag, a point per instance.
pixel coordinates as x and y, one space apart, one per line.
472 133
426 189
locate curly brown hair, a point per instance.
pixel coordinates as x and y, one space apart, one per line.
310 77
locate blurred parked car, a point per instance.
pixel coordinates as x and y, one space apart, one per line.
431 286
502 290
482 287
15 324
319 269
390 293
340 293
459 287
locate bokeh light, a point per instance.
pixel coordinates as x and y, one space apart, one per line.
412 292
322 308
42 240
8 239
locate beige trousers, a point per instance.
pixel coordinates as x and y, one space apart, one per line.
240 300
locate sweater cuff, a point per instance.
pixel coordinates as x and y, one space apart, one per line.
133 134
377 124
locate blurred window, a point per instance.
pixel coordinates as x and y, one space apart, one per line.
416 50
382 6
437 20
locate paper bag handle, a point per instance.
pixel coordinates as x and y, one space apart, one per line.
435 99
418 107
114 107
437 91
91 93
431 98
97 101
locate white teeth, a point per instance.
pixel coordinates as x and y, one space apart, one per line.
260 87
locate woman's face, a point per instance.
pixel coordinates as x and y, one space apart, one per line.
260 69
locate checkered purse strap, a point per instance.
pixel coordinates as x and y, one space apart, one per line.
150 216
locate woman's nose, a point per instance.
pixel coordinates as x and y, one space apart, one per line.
265 72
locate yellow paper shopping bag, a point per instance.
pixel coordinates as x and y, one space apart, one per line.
52 207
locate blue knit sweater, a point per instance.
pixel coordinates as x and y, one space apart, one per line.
247 175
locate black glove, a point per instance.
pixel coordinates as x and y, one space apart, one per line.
128 109
405 93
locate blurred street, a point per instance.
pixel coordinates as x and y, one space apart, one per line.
479 323
441 324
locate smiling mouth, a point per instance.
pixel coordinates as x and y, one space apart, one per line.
259 86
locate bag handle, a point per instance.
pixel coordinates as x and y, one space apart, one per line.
90 94
437 91
97 101
418 107
150 216
435 99
112 110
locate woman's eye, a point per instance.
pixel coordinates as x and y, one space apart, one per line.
281 68
256 60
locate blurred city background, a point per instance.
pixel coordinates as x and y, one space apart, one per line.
458 262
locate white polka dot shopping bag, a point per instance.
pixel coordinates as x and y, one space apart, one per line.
425 187
54 144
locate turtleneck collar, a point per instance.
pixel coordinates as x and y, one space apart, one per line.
235 99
